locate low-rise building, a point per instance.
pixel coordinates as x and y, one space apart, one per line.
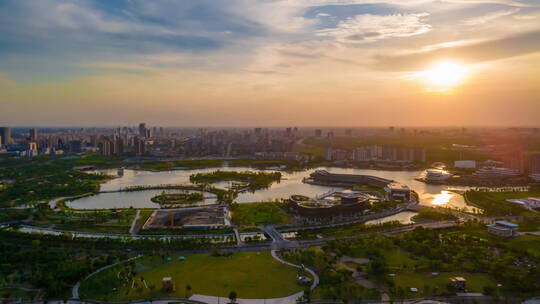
503 228
465 164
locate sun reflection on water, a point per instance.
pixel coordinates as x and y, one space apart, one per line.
442 198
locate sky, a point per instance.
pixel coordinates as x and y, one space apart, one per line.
270 62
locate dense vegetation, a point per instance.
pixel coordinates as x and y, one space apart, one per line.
53 271
430 214
178 198
100 221
254 180
426 259
184 164
44 181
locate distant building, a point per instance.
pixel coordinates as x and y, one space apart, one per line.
494 172
465 164
534 163
5 134
140 146
328 152
318 133
142 129
503 228
34 134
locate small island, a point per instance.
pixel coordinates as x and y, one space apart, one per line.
178 198
248 180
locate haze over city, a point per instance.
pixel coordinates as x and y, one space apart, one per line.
270 63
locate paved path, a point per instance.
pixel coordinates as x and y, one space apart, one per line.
75 289
237 235
132 229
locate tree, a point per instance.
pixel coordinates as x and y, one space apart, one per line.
307 295
188 289
233 296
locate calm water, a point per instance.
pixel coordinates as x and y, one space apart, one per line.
291 183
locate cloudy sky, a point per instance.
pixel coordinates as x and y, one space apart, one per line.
270 62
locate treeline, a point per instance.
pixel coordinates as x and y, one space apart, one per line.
255 180
36 182
54 271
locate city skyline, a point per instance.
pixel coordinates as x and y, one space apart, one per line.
324 63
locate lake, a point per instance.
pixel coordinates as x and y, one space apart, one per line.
291 183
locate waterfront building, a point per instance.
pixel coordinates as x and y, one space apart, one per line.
394 190
496 172
465 164
432 175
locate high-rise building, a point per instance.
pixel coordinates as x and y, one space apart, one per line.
106 148
118 146
142 129
34 134
140 148
534 163
318 133
5 133
329 152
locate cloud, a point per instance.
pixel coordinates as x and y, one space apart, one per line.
488 50
369 28
489 17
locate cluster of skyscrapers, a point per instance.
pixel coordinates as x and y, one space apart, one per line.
378 153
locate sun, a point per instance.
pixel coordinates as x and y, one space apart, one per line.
444 76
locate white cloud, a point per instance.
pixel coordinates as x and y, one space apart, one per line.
481 20
369 28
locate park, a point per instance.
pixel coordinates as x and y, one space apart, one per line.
249 274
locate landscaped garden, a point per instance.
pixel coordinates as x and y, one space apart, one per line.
249 274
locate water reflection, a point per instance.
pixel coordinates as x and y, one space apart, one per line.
291 183
443 198
404 217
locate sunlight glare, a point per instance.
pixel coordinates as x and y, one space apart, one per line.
444 76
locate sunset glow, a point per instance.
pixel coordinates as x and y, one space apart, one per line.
444 76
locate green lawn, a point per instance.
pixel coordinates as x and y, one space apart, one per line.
256 214
407 279
397 259
250 274
495 204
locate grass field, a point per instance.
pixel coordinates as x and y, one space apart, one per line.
495 204
256 214
250 274
437 284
